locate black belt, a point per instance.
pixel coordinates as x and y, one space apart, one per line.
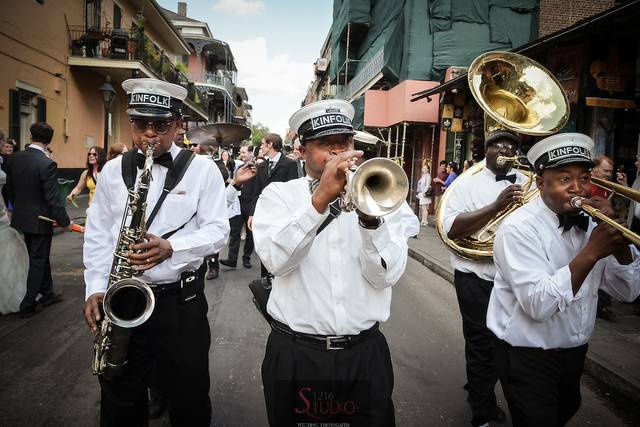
186 278
324 342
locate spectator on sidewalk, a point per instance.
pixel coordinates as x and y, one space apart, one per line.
89 177
551 259
423 189
438 182
472 203
452 173
32 186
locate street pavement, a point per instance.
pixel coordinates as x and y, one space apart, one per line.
45 374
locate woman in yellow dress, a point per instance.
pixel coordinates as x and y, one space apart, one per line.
89 178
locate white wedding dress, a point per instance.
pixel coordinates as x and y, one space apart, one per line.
14 262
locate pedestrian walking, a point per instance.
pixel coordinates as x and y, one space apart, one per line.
32 187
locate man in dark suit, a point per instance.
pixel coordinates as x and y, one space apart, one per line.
32 186
297 155
276 168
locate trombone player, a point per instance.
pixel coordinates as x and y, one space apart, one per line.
473 202
551 260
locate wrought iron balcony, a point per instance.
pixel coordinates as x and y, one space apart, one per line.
129 45
220 80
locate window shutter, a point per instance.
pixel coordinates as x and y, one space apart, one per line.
42 109
14 115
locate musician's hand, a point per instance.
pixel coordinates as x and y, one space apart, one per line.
510 194
621 178
245 173
70 197
602 204
333 179
149 253
91 311
250 223
606 240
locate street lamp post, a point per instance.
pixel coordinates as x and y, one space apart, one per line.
108 94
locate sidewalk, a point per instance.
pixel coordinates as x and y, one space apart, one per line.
614 348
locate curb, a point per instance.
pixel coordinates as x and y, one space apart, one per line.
595 365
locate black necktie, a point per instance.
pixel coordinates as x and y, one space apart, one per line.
271 165
164 159
511 178
567 221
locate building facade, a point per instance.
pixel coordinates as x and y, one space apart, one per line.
211 66
58 54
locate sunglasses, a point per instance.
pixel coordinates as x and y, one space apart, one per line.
160 126
504 145
92 154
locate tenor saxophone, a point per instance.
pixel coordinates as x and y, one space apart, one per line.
128 301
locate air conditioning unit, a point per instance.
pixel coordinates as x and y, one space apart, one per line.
321 65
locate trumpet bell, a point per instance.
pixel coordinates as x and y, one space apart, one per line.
518 93
378 187
128 302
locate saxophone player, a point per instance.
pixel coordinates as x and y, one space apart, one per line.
190 223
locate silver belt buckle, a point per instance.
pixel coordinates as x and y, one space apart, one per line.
330 344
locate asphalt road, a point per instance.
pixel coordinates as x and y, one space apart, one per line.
44 361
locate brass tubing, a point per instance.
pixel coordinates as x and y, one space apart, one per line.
576 202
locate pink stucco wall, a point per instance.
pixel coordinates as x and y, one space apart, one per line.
387 108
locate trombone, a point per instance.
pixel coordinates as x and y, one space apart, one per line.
576 202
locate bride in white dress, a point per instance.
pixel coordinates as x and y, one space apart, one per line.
14 262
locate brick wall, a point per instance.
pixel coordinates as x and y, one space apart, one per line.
558 14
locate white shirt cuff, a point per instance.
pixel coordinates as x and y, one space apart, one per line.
563 289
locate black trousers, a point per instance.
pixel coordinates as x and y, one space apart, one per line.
235 224
473 298
176 338
304 384
39 277
542 387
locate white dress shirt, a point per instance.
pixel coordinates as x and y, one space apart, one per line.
532 302
198 200
333 283
473 192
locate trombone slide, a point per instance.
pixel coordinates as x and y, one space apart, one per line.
634 238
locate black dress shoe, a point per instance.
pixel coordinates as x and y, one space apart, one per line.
212 274
157 406
52 298
246 264
228 263
28 312
498 415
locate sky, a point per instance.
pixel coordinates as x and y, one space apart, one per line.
274 43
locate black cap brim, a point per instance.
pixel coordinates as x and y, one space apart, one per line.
327 132
150 113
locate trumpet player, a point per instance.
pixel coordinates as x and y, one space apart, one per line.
190 224
475 200
551 260
332 287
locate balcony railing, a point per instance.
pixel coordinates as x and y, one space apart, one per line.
219 80
131 45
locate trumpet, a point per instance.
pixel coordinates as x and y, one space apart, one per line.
576 202
377 187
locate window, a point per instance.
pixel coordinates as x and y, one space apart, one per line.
117 17
91 14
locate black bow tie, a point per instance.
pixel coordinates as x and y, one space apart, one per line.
567 221
164 159
511 178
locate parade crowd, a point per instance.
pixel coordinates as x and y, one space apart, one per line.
326 273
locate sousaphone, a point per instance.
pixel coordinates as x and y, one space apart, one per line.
519 95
